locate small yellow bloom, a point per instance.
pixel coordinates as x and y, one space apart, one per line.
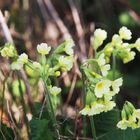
23 58
16 66
37 65
137 44
55 90
7 51
123 124
116 85
96 108
109 105
69 44
43 48
86 110
100 34
125 33
102 87
116 39
101 60
105 69
65 62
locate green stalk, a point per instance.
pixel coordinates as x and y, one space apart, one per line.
51 108
84 102
95 52
23 105
114 65
93 128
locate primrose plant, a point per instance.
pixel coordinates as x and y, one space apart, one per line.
100 87
52 63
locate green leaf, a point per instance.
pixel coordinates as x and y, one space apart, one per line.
7 132
40 130
117 134
106 122
38 108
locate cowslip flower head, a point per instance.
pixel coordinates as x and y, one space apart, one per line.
96 108
8 51
99 36
86 110
136 113
65 62
101 60
116 85
130 56
137 44
105 69
43 48
69 44
123 124
116 39
37 65
125 33
16 65
109 105
55 90
102 87
23 58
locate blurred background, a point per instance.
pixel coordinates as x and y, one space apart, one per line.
34 21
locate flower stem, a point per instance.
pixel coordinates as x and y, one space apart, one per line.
114 65
51 107
84 102
93 128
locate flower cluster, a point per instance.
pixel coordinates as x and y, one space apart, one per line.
8 51
130 117
120 48
100 89
60 59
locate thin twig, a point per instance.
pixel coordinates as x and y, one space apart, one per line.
79 27
11 117
57 19
5 28
8 37
71 137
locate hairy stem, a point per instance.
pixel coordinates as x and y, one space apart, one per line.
93 128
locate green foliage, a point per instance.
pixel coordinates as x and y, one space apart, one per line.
40 130
6 132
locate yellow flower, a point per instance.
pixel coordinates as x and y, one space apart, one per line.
23 58
125 33
108 96
116 85
102 87
55 90
16 66
123 124
105 69
7 51
96 108
130 56
86 110
137 44
69 44
109 105
116 39
101 60
43 48
99 36
65 62
37 65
